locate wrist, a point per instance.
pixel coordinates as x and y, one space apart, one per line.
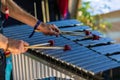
7 45
35 27
7 52
40 26
37 24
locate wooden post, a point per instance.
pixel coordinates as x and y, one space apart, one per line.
35 10
43 11
73 7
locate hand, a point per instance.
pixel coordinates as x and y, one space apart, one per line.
48 29
17 46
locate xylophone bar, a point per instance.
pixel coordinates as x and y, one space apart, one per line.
108 49
91 43
66 23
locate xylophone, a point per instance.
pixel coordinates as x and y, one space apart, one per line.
90 58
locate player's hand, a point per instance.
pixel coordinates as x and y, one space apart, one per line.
17 46
48 29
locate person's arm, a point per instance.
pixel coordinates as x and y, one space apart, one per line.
19 14
12 45
18 46
3 42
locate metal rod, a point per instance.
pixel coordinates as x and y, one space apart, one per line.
43 44
44 47
67 33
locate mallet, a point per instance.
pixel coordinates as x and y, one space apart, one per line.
72 33
65 48
50 43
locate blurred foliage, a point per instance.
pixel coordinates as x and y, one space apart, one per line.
94 21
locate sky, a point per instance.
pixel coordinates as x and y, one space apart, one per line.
104 6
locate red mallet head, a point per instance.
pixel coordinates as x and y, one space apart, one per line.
87 32
51 42
6 13
95 37
67 47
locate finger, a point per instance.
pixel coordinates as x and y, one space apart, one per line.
25 44
21 47
24 50
55 28
53 33
50 30
15 52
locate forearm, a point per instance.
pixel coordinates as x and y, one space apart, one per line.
3 42
19 14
